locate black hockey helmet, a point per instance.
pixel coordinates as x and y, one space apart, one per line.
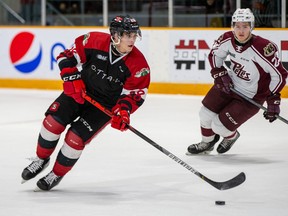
121 24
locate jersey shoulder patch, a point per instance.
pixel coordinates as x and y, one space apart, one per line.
94 40
264 46
222 39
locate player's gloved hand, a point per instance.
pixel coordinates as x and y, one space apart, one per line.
73 85
221 79
273 107
120 118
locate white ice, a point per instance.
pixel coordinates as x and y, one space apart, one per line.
120 174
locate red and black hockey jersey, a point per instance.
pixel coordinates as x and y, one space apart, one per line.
109 78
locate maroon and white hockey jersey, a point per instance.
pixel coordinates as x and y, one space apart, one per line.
255 67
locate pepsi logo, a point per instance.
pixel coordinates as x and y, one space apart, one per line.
25 52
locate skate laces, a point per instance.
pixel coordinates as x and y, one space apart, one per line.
226 143
202 146
35 165
50 178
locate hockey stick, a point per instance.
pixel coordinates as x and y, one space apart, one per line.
237 180
257 104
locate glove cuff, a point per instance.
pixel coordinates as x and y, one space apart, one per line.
218 72
120 107
124 112
274 99
70 74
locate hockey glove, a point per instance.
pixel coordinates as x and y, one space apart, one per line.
221 79
120 118
273 107
73 84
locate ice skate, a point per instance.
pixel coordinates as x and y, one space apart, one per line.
203 147
226 144
37 166
48 182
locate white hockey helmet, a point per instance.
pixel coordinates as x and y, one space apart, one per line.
243 15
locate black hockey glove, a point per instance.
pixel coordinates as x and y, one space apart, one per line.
221 79
273 107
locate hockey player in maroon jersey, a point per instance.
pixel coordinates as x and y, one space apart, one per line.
111 69
255 70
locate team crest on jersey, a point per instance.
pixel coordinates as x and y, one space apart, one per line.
142 72
54 107
269 50
238 48
239 71
85 40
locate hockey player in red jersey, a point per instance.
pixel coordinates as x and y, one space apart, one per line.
111 69
254 70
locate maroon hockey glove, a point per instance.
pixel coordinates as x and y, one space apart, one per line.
73 84
121 118
221 79
273 107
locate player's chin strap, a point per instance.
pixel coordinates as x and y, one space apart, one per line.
257 104
237 180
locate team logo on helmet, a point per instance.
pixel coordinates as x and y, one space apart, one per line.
132 20
118 19
25 52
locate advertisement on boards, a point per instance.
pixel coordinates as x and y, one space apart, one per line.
174 55
190 56
190 50
31 53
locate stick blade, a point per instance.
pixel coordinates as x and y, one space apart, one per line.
234 182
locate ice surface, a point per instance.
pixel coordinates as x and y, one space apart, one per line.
121 174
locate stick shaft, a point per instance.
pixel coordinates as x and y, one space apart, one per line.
239 179
257 104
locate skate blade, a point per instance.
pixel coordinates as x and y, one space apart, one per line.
37 189
202 153
23 181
